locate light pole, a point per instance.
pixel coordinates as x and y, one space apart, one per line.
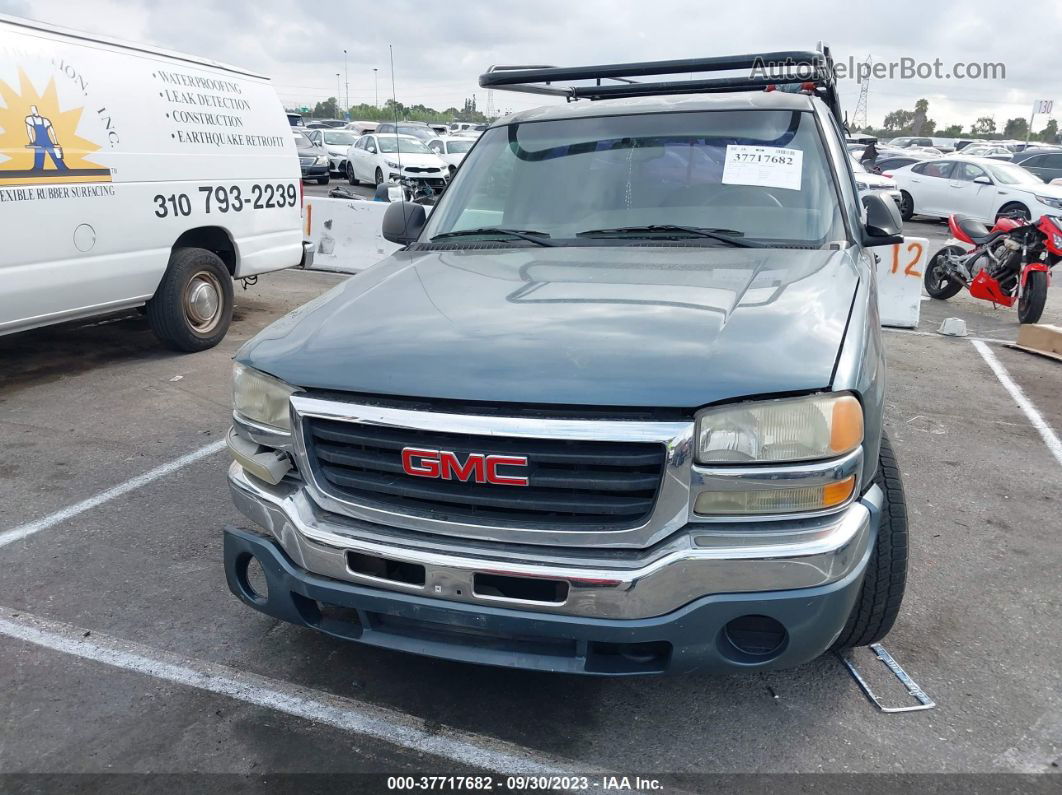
376 84
339 94
346 80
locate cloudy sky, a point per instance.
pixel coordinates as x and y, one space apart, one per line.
441 46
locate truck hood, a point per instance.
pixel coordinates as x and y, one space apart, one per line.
601 326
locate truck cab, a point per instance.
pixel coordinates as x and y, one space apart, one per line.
614 408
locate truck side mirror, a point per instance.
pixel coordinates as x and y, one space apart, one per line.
403 222
884 226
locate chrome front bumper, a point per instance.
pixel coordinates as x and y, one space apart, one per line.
696 561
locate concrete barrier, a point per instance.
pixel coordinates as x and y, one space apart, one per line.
900 271
346 233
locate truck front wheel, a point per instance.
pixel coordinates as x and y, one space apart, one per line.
879 599
192 307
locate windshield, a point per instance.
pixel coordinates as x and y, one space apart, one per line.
390 143
755 174
458 147
1008 174
340 138
301 141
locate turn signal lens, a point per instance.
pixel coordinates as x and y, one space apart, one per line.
771 501
792 429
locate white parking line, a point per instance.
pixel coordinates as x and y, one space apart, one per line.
1049 436
393 727
26 530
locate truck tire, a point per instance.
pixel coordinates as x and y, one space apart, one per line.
192 307
881 594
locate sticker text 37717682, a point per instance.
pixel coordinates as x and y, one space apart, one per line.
221 199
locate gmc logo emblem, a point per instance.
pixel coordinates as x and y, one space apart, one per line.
479 467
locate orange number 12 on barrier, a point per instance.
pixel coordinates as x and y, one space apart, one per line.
914 248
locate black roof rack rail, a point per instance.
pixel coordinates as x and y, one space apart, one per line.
762 70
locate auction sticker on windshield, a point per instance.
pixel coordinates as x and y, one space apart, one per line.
767 166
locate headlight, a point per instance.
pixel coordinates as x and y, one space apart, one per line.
321 160
774 431
261 398
1050 201
391 164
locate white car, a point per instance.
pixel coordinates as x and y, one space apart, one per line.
874 184
978 187
336 143
451 149
467 128
995 151
120 189
376 159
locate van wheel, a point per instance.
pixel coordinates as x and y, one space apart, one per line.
192 307
323 180
350 174
885 579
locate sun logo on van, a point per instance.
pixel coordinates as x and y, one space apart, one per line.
39 143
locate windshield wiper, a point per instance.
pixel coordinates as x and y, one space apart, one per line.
728 236
540 238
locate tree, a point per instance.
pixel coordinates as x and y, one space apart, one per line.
1049 134
918 118
983 125
952 131
898 121
326 110
1016 128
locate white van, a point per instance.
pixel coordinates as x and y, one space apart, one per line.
132 176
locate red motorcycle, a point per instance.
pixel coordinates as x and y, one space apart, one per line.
1010 262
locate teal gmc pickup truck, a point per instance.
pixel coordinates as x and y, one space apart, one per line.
615 406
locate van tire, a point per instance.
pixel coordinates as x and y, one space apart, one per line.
172 312
885 579
324 180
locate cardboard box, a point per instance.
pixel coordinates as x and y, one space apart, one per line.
1040 338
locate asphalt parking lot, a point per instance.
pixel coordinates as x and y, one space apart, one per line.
123 650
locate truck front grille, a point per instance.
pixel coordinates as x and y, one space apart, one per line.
587 485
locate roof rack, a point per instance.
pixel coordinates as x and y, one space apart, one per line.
807 70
